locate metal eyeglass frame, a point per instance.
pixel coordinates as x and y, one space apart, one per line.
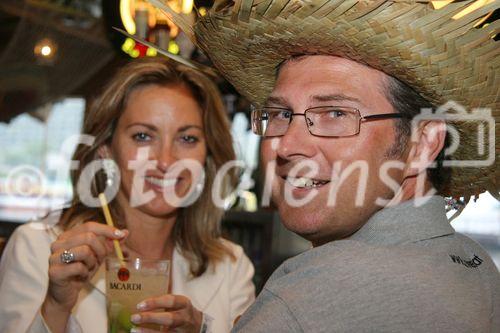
361 119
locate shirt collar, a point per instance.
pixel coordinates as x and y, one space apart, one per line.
408 222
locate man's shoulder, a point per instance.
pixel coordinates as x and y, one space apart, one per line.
351 266
338 257
330 266
365 284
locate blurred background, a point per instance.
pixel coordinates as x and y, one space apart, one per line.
56 55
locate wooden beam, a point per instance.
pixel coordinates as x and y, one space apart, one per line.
94 35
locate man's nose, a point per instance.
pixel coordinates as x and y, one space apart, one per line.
297 140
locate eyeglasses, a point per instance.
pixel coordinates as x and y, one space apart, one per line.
327 121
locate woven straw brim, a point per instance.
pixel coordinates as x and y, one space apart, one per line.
440 57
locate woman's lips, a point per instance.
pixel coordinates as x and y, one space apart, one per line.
161 184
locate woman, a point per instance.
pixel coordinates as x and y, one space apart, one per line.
150 117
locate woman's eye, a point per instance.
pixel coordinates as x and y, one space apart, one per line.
141 137
189 138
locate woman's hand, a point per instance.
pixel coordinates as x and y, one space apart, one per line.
177 314
89 242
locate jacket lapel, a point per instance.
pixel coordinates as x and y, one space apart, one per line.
200 290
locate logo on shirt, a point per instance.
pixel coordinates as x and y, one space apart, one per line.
473 263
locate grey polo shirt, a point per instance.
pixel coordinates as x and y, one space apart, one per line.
405 270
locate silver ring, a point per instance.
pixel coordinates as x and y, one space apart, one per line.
67 257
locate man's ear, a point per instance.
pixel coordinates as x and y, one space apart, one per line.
425 146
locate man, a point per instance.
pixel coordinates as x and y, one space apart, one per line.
336 85
371 269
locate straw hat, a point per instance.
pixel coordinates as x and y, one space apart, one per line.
441 56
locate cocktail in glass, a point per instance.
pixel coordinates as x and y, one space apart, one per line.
129 282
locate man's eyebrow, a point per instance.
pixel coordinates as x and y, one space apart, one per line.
276 101
335 97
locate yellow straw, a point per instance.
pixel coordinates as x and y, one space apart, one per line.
109 221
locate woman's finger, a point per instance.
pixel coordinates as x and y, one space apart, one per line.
99 229
96 243
168 302
176 311
144 330
82 253
167 319
76 269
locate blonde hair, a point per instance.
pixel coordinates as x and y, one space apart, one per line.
197 228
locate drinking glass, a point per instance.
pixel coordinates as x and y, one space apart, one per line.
129 282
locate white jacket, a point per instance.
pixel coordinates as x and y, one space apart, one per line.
223 293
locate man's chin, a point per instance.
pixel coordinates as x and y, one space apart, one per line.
317 236
299 221
313 235
319 226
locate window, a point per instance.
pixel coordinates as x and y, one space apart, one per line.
34 164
